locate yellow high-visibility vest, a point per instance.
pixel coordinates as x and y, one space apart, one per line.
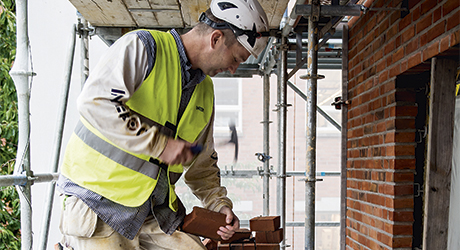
95 163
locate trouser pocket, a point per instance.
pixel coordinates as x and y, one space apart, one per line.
77 219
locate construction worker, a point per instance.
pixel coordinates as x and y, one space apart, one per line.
146 117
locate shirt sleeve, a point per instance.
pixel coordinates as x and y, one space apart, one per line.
203 174
118 74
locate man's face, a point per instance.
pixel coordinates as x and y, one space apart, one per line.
226 58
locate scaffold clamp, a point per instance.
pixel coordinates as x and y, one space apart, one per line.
263 157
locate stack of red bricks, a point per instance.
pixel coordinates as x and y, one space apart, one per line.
205 223
268 235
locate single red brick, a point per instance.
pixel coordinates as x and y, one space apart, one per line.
378 55
444 44
400 203
415 13
407 110
406 21
427 6
269 237
395 70
404 177
239 234
384 238
402 242
398 54
204 222
404 150
408 34
437 14
361 45
401 123
401 216
264 223
453 21
423 23
402 164
383 76
431 51
404 66
404 137
404 189
414 60
369 33
394 16
390 47
435 31
405 96
448 6
411 46
392 31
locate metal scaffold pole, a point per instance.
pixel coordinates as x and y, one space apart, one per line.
266 138
343 176
282 121
20 73
84 49
310 171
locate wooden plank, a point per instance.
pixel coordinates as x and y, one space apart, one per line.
191 10
141 17
170 19
104 13
274 10
439 160
156 13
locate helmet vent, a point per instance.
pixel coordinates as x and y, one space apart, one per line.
251 7
262 20
226 5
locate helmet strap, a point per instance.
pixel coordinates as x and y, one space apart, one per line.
220 26
251 34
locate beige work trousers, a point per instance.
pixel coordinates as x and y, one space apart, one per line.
83 230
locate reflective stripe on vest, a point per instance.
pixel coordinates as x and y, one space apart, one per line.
118 155
91 161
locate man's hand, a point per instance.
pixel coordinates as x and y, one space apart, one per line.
176 152
232 221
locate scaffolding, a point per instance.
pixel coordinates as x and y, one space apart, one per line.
23 177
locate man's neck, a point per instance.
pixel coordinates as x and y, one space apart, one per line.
193 44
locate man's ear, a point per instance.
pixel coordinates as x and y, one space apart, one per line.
216 37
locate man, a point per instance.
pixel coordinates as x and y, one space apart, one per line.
147 115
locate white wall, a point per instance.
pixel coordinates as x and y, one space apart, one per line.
50 24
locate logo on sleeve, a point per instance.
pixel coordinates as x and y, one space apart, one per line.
200 108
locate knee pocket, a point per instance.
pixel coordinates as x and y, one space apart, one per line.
78 220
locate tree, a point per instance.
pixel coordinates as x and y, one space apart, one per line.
10 225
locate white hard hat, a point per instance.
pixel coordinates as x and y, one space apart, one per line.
247 19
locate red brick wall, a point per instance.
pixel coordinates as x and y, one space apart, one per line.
381 118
